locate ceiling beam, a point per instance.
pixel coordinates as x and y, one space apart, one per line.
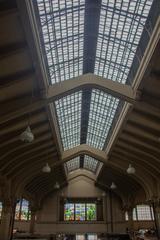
58 90
84 149
90 80
12 48
7 5
91 27
153 41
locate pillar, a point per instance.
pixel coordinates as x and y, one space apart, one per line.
156 210
130 218
7 219
32 221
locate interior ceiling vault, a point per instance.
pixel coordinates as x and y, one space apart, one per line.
26 98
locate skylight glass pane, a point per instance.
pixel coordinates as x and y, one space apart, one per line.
62 23
120 30
90 163
102 111
68 111
73 164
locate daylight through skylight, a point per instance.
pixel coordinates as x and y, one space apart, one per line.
62 24
73 164
102 111
90 163
68 111
120 29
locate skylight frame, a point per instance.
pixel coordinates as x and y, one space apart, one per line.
62 28
103 108
68 110
120 31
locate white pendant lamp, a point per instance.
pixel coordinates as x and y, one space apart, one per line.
46 168
113 186
27 136
131 169
56 186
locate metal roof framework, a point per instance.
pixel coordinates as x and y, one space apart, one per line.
100 37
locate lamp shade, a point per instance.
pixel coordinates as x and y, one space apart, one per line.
131 169
27 135
113 186
46 168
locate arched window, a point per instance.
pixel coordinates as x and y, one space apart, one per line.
143 213
0 210
126 216
22 211
134 214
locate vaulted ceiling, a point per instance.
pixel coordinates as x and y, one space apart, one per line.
72 92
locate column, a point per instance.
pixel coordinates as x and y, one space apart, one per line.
33 218
130 218
7 220
156 210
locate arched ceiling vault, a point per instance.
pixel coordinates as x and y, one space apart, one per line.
27 97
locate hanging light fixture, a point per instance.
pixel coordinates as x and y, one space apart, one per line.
27 135
131 169
56 185
113 186
46 168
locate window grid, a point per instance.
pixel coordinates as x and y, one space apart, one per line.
90 163
102 111
120 29
62 24
73 164
68 111
80 212
143 213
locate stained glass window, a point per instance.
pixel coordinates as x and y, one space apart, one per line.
0 210
91 211
120 29
79 211
62 24
69 119
22 211
17 211
69 212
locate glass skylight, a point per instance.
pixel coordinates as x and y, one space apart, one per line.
120 29
62 23
90 163
73 164
68 111
102 111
